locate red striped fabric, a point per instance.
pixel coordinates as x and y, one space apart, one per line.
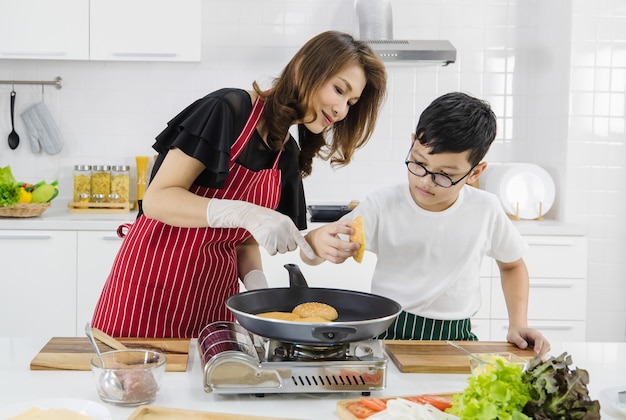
168 281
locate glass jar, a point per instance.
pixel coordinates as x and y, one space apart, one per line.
120 184
82 182
100 183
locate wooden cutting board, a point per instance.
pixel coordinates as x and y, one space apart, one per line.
148 412
74 353
413 356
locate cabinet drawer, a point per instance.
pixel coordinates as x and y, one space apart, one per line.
557 256
481 327
559 299
554 331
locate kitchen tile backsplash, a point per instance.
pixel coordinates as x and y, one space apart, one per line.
557 84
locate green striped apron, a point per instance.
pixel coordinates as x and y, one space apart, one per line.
414 327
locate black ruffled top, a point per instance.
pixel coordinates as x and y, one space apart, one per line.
207 129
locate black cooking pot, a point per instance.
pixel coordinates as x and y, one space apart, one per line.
361 315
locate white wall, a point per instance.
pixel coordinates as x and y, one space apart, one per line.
555 73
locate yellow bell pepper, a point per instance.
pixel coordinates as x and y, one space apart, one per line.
24 196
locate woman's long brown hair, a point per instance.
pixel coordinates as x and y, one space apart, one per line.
291 94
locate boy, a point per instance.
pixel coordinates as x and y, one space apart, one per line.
431 235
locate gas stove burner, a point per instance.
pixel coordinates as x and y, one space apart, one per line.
238 363
294 351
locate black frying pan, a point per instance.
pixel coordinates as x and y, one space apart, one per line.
361 315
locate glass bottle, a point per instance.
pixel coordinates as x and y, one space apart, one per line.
120 184
100 183
82 182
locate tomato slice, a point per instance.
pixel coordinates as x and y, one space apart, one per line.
359 411
373 403
440 403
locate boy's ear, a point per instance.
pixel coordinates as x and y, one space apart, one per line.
472 178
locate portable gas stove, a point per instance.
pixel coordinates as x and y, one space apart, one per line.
239 362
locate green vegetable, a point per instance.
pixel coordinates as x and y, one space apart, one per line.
44 192
558 392
498 393
6 177
9 189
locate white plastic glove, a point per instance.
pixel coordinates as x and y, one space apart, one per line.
272 230
255 279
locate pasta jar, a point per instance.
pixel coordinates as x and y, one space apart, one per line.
120 184
100 182
82 182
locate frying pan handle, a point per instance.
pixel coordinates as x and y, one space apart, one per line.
296 278
333 334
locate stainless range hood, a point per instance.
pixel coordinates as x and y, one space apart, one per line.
376 28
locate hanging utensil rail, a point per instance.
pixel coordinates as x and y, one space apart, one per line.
56 82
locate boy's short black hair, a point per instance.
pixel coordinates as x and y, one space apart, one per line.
456 122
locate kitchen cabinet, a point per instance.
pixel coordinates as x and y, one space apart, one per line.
112 30
39 283
557 266
44 29
145 30
96 251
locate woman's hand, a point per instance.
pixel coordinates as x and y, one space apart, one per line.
328 244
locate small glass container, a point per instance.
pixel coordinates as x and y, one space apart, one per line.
120 184
100 183
82 182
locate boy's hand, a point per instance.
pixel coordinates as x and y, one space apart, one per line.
523 337
329 246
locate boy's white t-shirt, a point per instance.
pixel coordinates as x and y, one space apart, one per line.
429 262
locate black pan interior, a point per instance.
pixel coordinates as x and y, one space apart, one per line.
350 305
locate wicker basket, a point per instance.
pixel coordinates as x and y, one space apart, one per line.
24 210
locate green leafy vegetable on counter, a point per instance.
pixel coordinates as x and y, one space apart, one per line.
546 390
9 190
558 392
498 393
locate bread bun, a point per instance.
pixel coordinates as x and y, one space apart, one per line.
359 237
283 316
312 319
316 309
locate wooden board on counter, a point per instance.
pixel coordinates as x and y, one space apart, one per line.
74 353
414 356
100 208
148 412
344 412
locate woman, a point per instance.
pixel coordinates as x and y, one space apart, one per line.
225 163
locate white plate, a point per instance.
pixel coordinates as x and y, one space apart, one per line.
524 189
86 407
609 402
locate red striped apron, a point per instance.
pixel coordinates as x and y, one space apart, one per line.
169 281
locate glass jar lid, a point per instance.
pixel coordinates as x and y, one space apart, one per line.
120 168
82 167
101 168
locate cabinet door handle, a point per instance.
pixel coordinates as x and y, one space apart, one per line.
552 285
546 327
144 54
553 327
111 238
36 237
39 53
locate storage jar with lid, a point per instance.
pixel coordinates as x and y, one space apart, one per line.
120 184
82 182
100 182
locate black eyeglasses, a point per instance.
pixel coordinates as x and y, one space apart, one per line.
442 180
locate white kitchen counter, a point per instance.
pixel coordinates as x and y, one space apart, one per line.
604 361
57 217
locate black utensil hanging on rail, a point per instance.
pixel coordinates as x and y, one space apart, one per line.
14 138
